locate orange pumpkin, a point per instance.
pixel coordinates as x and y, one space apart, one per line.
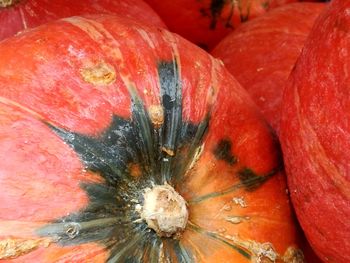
123 143
17 15
262 52
206 22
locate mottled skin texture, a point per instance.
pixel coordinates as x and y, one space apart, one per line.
25 14
315 135
206 22
80 141
262 52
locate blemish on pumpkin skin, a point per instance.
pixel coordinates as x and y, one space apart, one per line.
260 252
100 74
135 170
11 248
222 151
293 255
239 201
236 219
168 151
265 252
156 114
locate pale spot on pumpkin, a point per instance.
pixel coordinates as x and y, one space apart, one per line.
236 219
262 252
101 73
156 114
227 207
239 201
168 151
8 3
293 255
14 247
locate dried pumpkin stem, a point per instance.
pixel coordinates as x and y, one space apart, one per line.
164 210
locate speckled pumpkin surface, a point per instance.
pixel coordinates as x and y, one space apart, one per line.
122 143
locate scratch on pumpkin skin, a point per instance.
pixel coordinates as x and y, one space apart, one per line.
11 248
24 22
22 108
317 154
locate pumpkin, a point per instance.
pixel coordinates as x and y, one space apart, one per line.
315 135
206 22
17 15
126 143
262 52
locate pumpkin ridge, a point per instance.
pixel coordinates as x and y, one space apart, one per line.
250 183
315 145
213 235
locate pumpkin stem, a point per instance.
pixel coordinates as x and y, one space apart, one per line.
164 210
8 3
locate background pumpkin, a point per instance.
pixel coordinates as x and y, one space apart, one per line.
315 134
262 52
94 119
206 22
16 15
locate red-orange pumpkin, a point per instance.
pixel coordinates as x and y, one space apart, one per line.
315 134
262 52
123 143
206 22
16 15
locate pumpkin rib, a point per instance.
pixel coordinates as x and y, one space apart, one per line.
212 235
22 108
315 146
254 181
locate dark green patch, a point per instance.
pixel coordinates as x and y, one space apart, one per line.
215 12
251 180
223 152
216 7
266 5
110 218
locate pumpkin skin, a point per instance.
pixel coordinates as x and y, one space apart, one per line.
94 116
262 52
206 22
17 15
314 135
